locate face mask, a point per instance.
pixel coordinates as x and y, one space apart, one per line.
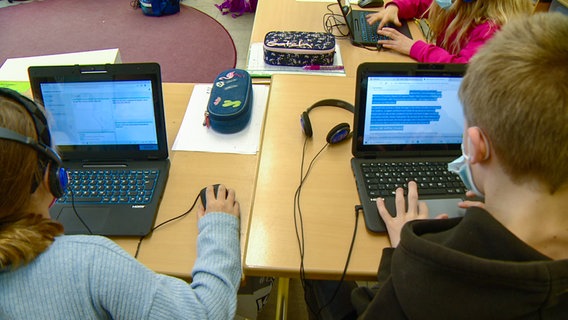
444 4
460 166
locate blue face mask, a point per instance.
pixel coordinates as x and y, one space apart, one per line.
461 167
444 4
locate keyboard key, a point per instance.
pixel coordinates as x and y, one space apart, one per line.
432 178
111 186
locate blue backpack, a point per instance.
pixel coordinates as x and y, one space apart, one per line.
159 7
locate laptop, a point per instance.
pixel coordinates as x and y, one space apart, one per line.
108 123
408 125
360 32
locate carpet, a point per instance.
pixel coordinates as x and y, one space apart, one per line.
190 46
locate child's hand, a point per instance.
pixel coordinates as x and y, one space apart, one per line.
386 15
470 203
398 41
416 210
227 204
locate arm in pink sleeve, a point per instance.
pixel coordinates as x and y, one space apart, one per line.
430 53
408 9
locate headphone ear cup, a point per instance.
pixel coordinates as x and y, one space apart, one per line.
306 124
338 133
57 180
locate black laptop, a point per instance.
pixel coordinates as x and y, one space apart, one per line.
408 125
108 123
360 32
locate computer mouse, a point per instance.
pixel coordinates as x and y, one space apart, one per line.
370 3
204 198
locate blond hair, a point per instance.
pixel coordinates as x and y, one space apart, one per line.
516 91
23 235
453 26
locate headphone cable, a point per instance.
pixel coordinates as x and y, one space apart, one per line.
300 232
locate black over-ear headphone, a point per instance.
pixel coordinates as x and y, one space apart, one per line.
57 176
338 133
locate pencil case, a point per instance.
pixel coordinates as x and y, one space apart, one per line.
229 107
298 48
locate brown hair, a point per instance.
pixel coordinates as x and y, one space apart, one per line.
459 20
516 91
23 235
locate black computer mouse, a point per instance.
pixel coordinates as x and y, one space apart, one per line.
370 3
204 198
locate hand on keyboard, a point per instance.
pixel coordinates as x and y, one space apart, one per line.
395 40
415 210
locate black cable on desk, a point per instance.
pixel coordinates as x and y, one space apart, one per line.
300 231
163 223
297 208
333 21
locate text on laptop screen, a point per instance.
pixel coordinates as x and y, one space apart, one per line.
412 110
102 113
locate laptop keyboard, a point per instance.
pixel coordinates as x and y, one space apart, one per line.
110 186
433 178
369 32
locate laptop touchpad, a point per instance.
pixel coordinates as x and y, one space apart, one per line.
449 206
92 217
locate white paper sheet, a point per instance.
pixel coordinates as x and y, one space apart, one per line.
16 69
193 136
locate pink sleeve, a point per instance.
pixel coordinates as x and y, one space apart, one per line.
430 53
408 9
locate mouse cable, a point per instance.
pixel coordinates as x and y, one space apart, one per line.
344 273
163 223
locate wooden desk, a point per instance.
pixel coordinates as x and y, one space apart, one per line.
296 15
328 195
171 249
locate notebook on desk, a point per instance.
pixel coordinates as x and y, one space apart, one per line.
108 124
360 32
408 125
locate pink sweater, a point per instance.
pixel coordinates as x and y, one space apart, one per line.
430 53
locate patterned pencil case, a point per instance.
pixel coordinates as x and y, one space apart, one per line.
230 104
298 48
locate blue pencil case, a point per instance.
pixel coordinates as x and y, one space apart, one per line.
230 104
298 48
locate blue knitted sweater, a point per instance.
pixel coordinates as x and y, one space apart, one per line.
90 277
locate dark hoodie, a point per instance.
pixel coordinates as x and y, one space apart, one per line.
465 268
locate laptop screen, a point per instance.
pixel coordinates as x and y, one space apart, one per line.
401 109
101 113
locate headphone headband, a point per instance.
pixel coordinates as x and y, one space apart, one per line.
340 132
8 134
57 176
38 117
333 103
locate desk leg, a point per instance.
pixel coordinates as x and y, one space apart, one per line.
282 298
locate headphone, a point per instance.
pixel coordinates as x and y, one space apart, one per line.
338 133
57 175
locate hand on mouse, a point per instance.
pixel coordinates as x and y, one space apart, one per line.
219 203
